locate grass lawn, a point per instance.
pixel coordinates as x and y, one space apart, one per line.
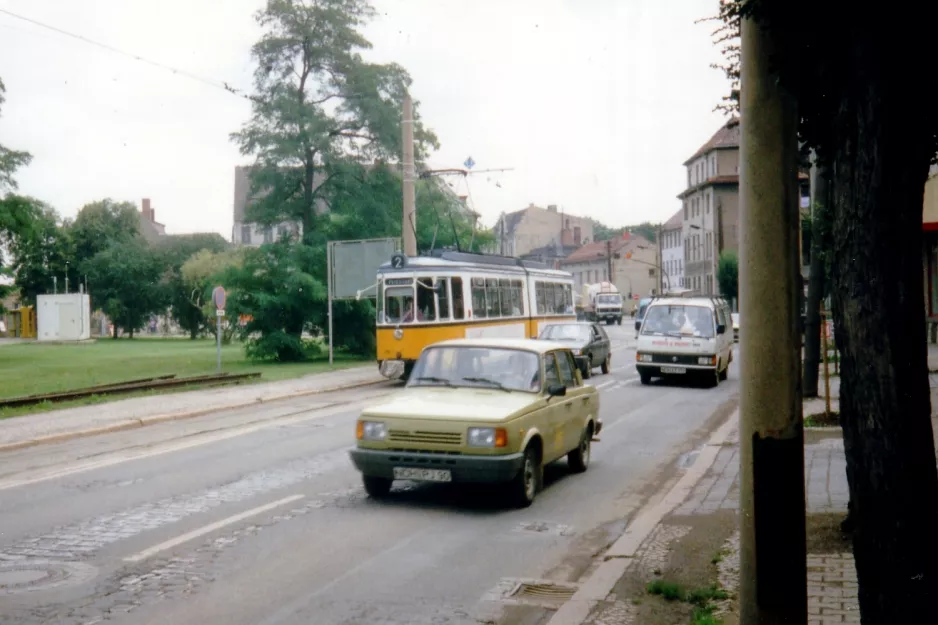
33 368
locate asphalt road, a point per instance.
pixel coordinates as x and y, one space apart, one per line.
257 517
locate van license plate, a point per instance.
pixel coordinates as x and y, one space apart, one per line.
673 370
422 475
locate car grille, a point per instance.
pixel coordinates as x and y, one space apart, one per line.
675 359
429 438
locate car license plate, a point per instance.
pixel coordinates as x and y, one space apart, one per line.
673 370
422 475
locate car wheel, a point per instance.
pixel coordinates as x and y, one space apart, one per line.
606 363
579 459
523 489
588 371
377 487
646 378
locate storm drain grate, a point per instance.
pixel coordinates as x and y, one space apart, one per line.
540 592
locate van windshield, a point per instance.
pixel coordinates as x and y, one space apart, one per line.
683 320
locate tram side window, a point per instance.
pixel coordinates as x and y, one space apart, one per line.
399 304
517 298
426 306
540 291
459 307
478 298
491 298
443 298
504 295
553 298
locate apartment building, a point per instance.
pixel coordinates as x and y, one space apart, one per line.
536 231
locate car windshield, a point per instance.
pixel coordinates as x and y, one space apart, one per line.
481 367
566 332
682 320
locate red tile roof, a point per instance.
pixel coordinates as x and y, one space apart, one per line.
597 249
676 221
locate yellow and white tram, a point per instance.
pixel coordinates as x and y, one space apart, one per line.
448 295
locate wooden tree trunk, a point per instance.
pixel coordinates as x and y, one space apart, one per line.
879 167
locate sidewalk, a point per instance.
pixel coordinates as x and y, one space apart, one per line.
16 432
693 553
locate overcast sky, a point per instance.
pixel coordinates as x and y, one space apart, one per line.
593 103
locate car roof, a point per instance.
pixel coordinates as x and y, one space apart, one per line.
569 323
531 345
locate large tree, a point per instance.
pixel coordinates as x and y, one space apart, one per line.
39 250
126 281
317 103
173 252
101 224
872 123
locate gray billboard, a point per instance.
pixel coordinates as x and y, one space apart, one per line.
354 265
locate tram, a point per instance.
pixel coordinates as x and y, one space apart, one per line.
449 294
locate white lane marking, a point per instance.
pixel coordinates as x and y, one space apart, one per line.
605 384
211 527
122 456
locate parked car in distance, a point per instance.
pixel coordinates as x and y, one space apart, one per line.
492 411
589 342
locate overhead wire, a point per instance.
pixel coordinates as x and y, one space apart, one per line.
218 84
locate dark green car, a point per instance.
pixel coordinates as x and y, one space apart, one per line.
588 341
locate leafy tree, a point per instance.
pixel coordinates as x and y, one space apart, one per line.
10 160
874 129
602 232
126 281
39 247
728 274
102 224
200 274
274 285
173 252
317 103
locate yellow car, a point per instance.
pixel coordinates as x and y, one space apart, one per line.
481 411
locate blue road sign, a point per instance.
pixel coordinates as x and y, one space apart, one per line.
469 163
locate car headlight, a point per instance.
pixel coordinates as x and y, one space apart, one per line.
643 357
487 437
371 431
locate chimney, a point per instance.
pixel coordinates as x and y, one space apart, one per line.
552 208
577 234
146 210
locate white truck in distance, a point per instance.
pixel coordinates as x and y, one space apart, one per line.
602 302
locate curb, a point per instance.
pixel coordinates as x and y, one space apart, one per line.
617 559
173 416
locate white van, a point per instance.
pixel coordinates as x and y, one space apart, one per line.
685 337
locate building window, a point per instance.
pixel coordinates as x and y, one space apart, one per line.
246 233
651 272
268 235
708 203
685 209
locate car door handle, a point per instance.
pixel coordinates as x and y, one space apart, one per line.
586 400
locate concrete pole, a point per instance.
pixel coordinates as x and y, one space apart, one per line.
773 577
660 262
409 223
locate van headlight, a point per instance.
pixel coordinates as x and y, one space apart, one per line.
371 431
706 360
643 357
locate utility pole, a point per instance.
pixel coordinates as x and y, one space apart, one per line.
612 277
409 222
773 576
660 262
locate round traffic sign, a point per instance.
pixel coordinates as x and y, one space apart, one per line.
218 297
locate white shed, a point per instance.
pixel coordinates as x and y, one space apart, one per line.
63 317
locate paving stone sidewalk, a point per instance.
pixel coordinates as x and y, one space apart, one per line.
112 414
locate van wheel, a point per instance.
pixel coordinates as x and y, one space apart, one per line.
523 489
726 371
579 459
619 321
606 362
713 379
377 487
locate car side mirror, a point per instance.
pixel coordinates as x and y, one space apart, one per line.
721 329
556 390
638 326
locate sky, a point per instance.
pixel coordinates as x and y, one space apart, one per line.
591 105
